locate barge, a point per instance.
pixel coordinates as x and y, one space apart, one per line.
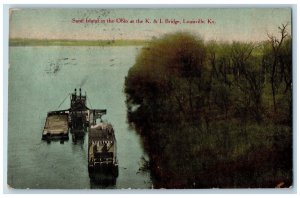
56 126
75 120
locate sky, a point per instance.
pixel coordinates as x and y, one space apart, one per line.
220 24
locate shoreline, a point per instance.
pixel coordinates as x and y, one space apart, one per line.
58 42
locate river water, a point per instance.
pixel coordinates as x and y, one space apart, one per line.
40 78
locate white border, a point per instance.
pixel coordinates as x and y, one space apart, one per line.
160 3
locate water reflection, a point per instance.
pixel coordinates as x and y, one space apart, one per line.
78 139
61 140
102 180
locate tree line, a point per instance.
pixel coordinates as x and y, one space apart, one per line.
214 109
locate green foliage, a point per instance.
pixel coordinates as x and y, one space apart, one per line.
205 112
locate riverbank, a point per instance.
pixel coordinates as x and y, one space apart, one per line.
61 42
214 115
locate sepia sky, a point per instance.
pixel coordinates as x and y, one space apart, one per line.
230 24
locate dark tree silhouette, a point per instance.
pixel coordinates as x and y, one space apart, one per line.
276 44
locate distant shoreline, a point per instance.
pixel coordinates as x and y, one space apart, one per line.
62 42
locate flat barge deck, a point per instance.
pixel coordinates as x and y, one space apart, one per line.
56 126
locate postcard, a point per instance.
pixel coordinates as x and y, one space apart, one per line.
150 98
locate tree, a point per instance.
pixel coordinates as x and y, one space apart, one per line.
276 47
248 78
170 70
199 108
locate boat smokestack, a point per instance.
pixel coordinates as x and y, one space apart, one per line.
80 92
75 90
